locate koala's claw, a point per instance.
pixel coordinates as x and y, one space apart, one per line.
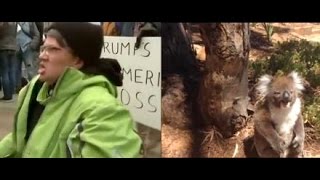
296 141
295 145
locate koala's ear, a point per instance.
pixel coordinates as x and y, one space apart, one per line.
297 80
264 84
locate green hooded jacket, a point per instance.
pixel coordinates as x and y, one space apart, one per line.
82 118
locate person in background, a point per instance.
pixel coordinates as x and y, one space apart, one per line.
29 40
8 47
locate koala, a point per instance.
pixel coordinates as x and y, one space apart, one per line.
278 123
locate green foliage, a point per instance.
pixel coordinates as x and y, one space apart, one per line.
311 111
269 30
301 56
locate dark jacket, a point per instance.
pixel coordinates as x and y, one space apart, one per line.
8 32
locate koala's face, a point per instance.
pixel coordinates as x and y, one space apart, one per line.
282 92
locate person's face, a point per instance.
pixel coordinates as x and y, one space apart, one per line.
54 59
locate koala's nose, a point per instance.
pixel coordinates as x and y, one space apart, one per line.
286 95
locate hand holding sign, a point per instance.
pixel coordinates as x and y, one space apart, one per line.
147 30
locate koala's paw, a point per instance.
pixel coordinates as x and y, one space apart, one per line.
280 147
297 144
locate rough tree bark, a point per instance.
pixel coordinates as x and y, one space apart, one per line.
223 91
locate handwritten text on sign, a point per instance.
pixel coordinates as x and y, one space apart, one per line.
141 90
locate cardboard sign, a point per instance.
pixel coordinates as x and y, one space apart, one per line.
141 68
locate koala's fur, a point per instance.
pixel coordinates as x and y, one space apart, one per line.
278 122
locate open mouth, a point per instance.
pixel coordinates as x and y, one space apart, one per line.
41 69
285 104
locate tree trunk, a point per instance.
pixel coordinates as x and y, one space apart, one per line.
223 91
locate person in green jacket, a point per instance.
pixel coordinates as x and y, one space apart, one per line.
70 108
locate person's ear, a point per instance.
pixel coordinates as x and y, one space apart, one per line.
78 63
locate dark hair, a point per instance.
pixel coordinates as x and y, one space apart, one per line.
86 41
110 68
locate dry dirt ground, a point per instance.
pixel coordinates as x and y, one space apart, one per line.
180 143
187 142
